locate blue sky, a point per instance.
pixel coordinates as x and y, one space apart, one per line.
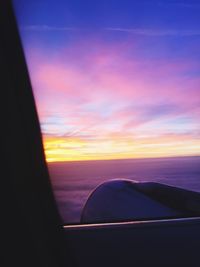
116 74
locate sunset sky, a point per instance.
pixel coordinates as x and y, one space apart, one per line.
114 78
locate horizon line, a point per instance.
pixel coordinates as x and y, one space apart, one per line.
114 159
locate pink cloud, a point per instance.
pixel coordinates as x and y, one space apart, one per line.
102 91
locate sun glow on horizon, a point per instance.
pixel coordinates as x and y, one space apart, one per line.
60 149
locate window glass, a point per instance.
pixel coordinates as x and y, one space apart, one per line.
117 89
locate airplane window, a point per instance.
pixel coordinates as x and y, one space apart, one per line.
117 90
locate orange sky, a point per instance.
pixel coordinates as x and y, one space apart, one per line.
75 149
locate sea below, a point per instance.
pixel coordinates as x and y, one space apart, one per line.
73 182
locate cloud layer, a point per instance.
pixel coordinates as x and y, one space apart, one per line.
97 100
158 33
